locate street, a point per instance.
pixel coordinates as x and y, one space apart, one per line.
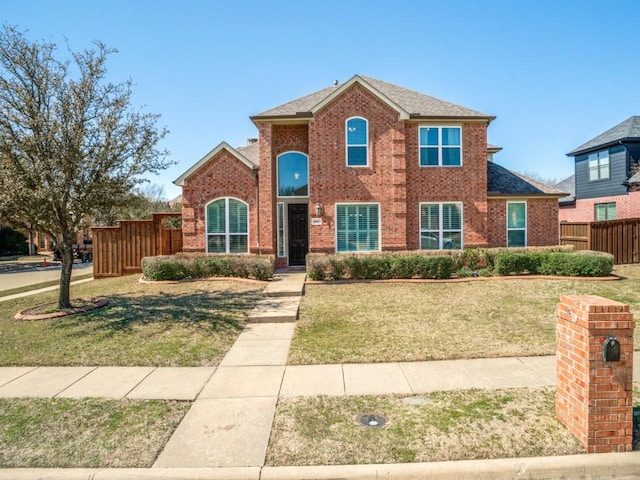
16 279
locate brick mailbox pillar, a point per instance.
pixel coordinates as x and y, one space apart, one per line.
594 397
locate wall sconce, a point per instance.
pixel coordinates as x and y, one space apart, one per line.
318 209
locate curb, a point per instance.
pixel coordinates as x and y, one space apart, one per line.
587 466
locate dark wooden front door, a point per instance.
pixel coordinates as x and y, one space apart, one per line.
298 233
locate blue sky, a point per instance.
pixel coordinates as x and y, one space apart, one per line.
554 73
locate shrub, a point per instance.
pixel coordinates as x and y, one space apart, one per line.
580 264
182 265
12 242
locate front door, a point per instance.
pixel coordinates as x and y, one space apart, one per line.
298 233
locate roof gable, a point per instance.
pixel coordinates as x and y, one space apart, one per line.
627 130
223 146
408 103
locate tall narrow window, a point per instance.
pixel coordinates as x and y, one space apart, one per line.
598 163
357 228
440 146
281 229
516 224
293 175
227 226
440 226
357 141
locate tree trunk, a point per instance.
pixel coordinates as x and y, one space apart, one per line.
66 250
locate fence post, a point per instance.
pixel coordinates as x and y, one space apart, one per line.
594 396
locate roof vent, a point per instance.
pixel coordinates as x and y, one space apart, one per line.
251 141
335 83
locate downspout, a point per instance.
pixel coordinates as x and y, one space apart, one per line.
258 213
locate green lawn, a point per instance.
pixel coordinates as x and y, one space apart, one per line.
396 322
186 324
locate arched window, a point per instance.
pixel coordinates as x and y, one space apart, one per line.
357 142
227 226
293 175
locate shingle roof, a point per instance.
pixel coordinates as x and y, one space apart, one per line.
251 152
415 104
568 185
501 181
627 130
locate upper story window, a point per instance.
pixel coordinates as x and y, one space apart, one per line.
293 175
357 142
440 146
598 163
227 226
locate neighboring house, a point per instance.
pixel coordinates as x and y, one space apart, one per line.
363 166
606 183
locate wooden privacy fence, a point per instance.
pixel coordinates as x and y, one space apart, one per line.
119 250
617 237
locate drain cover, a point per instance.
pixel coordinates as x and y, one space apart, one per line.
371 420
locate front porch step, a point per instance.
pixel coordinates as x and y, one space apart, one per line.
275 310
289 284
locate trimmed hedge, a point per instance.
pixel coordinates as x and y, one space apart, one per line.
579 264
378 266
186 265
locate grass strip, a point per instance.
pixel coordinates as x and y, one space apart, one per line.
89 433
439 426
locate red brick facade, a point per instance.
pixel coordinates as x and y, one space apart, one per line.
594 398
393 179
627 206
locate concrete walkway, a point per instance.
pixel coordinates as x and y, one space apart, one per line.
226 432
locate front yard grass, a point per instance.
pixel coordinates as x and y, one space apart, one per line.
403 322
68 433
439 426
185 324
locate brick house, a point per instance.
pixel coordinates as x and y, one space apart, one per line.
359 167
606 182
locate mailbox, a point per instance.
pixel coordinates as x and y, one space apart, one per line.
611 350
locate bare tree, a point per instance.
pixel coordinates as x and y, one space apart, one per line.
70 143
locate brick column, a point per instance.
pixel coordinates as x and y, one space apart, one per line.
594 398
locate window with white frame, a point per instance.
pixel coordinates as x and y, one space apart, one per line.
516 224
227 226
357 142
440 146
441 226
357 227
598 163
605 211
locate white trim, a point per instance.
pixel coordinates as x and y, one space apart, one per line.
226 225
363 204
347 145
440 224
200 163
278 175
284 230
440 146
526 222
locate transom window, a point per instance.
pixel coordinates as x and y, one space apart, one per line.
227 226
358 228
598 165
440 146
357 142
441 226
605 211
516 224
293 175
